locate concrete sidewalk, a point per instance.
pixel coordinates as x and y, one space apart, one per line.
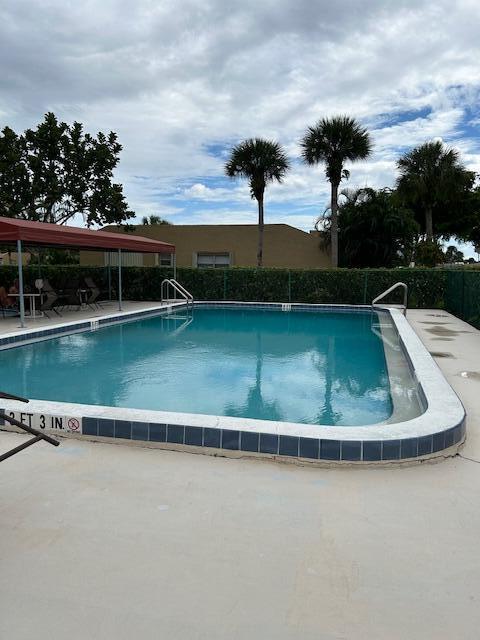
117 542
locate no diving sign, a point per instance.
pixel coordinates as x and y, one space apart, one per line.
73 424
47 422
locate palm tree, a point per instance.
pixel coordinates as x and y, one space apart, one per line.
260 162
431 175
335 141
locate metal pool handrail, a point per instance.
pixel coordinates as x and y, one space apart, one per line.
178 288
392 288
38 434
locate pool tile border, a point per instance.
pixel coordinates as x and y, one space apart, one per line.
274 445
93 324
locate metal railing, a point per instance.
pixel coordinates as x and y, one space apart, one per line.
38 435
177 288
392 288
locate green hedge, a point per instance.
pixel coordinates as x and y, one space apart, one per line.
456 290
341 286
427 287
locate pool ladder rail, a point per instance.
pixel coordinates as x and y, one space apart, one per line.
395 286
171 283
38 435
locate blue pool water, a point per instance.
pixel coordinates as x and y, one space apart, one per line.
323 368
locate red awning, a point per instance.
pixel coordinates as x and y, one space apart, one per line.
48 235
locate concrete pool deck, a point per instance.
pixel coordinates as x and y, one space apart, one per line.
10 326
116 542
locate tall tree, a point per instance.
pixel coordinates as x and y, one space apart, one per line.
333 142
436 185
56 171
260 162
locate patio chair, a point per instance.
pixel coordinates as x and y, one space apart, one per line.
69 294
93 292
50 299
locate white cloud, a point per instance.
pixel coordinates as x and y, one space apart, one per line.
174 78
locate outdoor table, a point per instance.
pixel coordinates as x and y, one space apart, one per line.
32 296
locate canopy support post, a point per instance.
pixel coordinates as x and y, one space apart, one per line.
20 284
174 266
119 279
109 273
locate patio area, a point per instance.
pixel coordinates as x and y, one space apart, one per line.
10 326
84 294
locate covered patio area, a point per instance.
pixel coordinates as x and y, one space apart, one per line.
22 234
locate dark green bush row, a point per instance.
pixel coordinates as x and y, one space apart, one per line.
427 287
341 286
458 291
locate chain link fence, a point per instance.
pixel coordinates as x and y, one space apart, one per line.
462 295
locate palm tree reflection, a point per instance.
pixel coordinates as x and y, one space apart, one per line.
326 369
255 405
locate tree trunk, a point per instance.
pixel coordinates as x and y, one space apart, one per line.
260 232
429 224
334 226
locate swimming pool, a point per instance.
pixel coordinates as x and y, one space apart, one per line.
309 381
315 368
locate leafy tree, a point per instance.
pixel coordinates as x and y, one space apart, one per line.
429 253
467 228
435 184
375 229
59 256
14 179
260 162
57 171
153 220
335 141
453 254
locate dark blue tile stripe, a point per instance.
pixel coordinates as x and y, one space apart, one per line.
18 340
283 445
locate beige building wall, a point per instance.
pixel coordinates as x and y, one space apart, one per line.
284 246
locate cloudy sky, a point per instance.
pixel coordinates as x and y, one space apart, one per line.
181 81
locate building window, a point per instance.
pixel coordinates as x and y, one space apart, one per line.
165 259
213 260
